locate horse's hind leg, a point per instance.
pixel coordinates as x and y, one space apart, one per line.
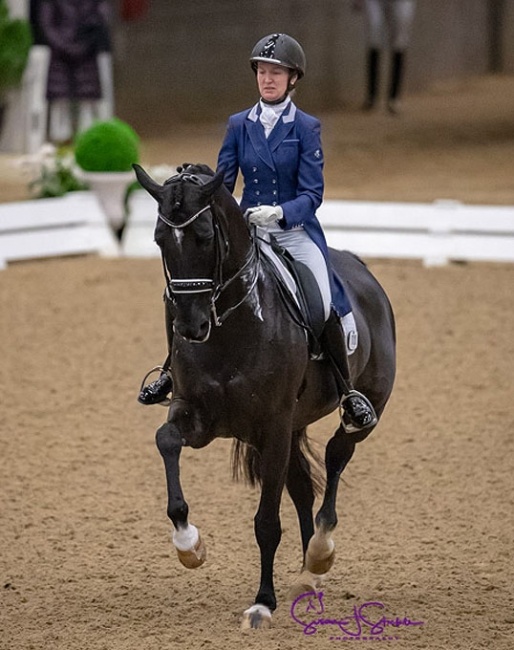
190 548
301 490
321 552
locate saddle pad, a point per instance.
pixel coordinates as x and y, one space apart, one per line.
266 247
264 241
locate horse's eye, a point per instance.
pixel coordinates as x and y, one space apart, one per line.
158 237
204 234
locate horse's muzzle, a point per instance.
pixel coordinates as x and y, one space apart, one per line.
199 333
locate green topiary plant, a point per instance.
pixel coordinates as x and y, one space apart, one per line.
15 44
108 146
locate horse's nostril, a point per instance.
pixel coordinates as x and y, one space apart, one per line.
198 333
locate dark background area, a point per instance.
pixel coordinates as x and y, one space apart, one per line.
189 61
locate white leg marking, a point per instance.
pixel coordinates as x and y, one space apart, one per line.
185 539
257 616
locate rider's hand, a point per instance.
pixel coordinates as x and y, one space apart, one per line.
264 215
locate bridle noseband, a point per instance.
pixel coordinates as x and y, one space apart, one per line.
216 285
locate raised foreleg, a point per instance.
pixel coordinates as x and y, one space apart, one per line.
190 548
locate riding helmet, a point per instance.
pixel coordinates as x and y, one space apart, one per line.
282 50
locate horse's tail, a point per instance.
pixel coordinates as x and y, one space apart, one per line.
246 462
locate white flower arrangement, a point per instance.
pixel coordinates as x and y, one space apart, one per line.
53 172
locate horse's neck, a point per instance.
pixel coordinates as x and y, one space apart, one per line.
239 240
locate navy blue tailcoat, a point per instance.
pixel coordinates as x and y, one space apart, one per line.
285 169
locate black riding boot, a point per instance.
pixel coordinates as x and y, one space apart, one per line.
397 65
372 73
355 409
157 391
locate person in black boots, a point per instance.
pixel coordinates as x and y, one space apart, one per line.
372 70
389 22
277 148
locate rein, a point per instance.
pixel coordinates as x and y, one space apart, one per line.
209 285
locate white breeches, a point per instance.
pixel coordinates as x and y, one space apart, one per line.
303 249
390 22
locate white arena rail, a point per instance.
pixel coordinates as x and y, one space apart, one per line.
71 225
435 233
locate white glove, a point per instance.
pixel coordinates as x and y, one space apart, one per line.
264 215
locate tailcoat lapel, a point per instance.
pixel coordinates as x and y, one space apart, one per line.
257 137
265 146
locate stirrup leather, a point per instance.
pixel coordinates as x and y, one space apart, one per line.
349 427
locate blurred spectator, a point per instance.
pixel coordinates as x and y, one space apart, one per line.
389 24
76 32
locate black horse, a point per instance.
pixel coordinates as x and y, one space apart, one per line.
241 369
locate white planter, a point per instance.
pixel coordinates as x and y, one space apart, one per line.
110 188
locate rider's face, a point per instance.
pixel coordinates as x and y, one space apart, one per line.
272 80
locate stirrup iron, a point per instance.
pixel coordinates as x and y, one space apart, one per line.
349 427
166 402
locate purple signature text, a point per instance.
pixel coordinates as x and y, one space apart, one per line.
366 620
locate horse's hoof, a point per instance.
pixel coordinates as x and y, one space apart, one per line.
304 584
257 617
320 554
194 557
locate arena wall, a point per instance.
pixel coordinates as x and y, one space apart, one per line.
189 61
508 38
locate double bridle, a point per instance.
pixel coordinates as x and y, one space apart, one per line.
216 286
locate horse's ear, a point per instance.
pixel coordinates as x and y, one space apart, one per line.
209 188
148 183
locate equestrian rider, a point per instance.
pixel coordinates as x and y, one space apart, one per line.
277 148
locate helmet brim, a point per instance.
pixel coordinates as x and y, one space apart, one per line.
266 59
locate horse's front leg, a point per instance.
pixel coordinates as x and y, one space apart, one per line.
190 548
268 532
